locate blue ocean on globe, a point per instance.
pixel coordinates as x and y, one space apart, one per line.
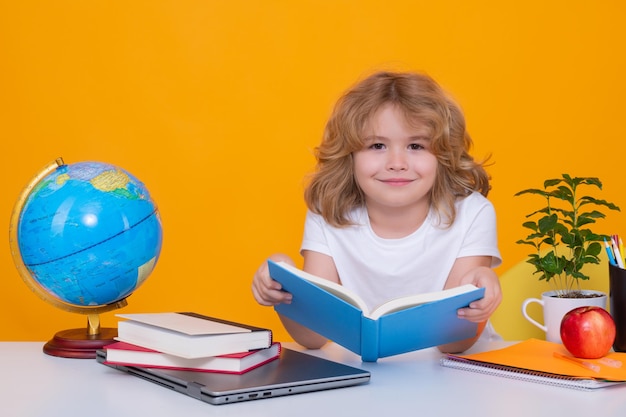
89 233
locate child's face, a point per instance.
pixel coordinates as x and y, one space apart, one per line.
395 168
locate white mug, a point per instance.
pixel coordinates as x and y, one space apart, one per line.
554 308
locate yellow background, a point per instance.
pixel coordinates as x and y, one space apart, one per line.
217 105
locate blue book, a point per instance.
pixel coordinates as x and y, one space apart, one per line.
398 326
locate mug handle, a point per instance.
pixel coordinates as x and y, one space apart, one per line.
525 304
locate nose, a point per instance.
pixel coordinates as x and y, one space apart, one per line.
397 161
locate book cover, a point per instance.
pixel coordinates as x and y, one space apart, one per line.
190 335
544 362
120 353
400 326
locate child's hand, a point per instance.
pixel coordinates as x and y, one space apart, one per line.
481 310
266 291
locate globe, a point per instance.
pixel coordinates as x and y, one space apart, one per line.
84 236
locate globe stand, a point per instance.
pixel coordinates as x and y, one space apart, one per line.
81 343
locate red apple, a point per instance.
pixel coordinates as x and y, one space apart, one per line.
588 332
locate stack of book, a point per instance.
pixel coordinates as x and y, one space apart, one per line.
190 342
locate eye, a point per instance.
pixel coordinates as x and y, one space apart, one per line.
377 146
416 146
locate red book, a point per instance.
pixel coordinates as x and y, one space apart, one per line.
121 353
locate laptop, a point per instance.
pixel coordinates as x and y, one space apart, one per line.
293 373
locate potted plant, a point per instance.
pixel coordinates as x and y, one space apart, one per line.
560 233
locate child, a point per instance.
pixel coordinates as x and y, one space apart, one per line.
397 206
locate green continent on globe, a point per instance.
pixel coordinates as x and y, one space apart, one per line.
114 182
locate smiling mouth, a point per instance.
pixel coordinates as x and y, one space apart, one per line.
397 181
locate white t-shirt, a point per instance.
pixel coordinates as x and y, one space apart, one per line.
379 270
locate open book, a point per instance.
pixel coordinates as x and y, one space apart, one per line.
398 326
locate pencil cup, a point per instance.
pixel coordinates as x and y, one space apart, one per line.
617 301
554 308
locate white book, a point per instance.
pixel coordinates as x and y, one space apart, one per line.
190 335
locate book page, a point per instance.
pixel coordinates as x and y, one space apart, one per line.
332 287
402 303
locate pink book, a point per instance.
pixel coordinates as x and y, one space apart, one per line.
121 353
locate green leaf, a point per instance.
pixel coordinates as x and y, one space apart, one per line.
552 182
547 223
530 225
532 191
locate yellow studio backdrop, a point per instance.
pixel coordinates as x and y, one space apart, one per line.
216 106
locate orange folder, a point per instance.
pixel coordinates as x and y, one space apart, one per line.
539 355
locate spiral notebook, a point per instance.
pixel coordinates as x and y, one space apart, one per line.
534 360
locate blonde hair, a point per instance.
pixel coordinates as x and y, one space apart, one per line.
332 190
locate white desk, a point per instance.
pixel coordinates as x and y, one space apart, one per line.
414 384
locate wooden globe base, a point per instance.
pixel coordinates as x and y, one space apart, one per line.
78 343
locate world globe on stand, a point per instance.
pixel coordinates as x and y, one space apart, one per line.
83 237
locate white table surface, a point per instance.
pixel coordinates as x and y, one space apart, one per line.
35 384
